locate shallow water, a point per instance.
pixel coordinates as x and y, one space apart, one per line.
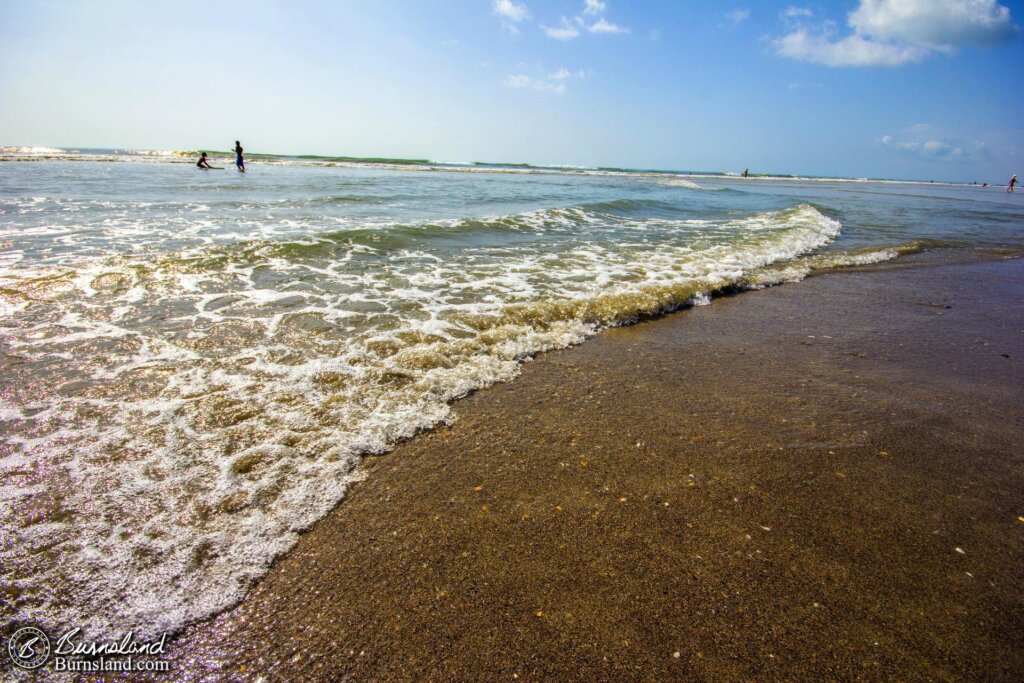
193 362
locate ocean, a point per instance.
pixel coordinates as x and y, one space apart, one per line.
193 362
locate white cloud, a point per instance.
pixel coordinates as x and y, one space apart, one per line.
566 30
852 50
510 10
602 25
518 81
554 82
793 12
928 143
935 148
931 149
524 81
895 32
942 24
737 15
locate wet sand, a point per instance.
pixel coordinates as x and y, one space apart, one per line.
817 481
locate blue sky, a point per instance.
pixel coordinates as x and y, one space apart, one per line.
927 89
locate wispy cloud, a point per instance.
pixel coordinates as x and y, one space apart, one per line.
510 10
797 85
737 16
566 30
793 12
591 18
895 32
602 25
554 82
929 143
853 50
932 149
517 81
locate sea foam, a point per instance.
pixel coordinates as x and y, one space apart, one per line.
175 417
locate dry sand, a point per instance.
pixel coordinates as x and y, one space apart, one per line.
816 481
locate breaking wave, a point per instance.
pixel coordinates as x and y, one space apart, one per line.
174 421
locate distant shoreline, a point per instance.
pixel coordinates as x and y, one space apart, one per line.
22 153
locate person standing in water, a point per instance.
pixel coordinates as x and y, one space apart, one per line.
1009 185
239 161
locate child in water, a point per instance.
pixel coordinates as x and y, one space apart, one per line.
203 163
239 161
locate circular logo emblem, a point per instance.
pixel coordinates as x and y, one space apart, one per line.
29 647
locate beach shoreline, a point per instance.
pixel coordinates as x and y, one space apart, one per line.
815 480
15 154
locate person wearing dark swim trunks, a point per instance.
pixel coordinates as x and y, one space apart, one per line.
203 163
239 161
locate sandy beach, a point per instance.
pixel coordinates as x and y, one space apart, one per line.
814 481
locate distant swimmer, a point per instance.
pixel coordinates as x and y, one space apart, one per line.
203 163
239 161
1009 185
746 172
